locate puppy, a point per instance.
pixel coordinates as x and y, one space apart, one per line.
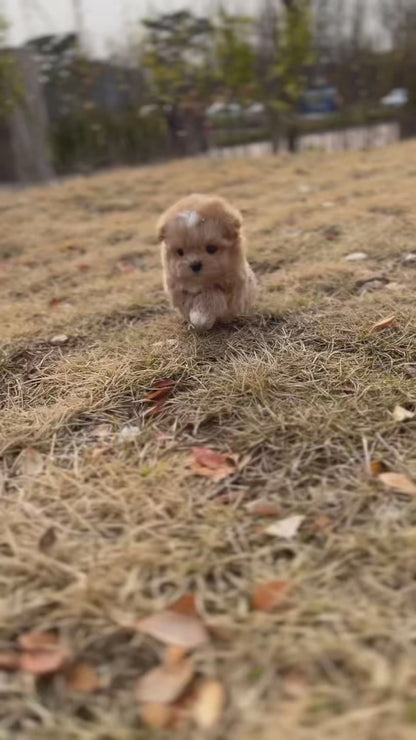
206 274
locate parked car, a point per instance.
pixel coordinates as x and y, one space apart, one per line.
224 110
319 101
396 98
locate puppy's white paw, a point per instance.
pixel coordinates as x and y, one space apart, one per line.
200 321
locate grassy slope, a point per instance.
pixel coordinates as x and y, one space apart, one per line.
301 387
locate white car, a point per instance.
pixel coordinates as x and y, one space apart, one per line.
396 98
226 110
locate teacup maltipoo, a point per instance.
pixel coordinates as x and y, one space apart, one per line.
206 274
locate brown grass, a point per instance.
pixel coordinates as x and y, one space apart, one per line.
302 388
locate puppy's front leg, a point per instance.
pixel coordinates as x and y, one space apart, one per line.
206 309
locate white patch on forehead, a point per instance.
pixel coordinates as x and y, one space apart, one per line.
192 218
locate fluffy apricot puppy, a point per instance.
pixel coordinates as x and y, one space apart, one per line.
206 274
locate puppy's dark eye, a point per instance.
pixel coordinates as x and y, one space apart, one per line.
180 252
211 249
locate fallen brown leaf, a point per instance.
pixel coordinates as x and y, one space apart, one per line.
270 595
377 467
398 482
231 497
186 604
263 508
83 678
173 628
83 266
161 389
155 410
156 716
43 662
383 324
402 414
38 641
209 705
321 524
213 465
9 661
164 684
47 540
174 654
56 302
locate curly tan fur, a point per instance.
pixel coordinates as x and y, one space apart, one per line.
206 274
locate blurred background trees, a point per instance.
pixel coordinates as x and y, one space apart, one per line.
187 81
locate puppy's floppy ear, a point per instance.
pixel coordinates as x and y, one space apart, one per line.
231 218
235 221
161 226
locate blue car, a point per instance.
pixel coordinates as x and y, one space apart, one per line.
319 101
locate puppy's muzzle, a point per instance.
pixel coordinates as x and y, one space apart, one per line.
196 266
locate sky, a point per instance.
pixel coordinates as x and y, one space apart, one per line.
106 23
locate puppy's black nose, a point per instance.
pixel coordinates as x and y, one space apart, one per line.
196 266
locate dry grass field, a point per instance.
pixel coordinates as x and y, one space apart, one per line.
104 520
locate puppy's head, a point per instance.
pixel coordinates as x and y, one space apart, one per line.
201 242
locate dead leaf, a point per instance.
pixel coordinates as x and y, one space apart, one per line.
402 414
128 433
47 540
43 662
59 339
370 285
231 497
44 653
221 631
164 684
321 524
83 678
173 628
270 595
356 257
102 431
383 324
398 482
57 302
285 528
9 661
30 462
83 266
155 410
162 389
156 716
263 508
174 654
377 467
38 641
186 604
209 705
213 465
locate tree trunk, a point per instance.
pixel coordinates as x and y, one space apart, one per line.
274 125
